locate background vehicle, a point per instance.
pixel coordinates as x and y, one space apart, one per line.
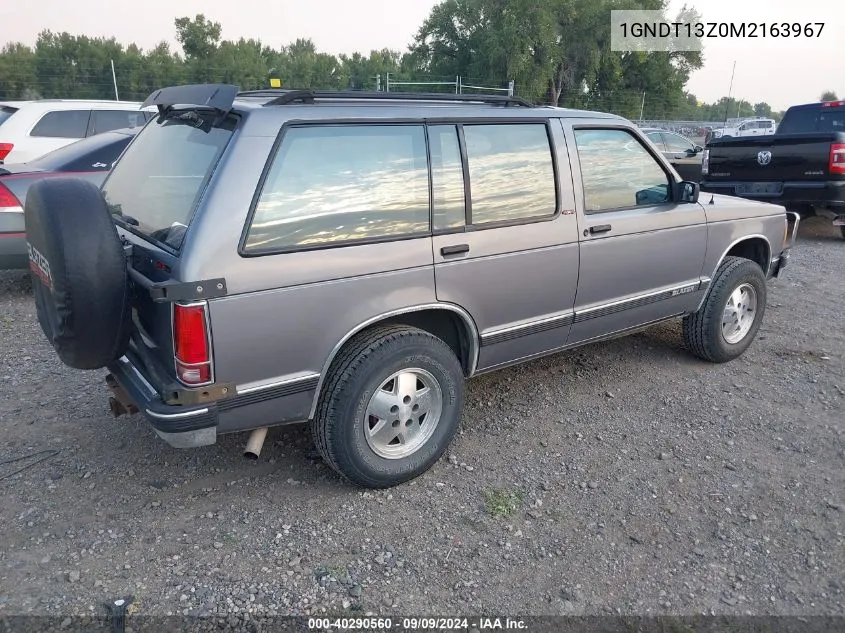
684 155
348 259
90 158
802 166
30 129
751 127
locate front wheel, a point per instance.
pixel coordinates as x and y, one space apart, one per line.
390 407
727 323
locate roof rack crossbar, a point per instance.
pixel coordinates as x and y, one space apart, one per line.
284 97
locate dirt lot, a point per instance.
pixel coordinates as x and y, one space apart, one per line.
625 477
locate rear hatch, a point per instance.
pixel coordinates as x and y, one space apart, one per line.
153 193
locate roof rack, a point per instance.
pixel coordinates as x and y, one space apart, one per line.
285 97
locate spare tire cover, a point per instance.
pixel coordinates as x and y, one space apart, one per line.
79 273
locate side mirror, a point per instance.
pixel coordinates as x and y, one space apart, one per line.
686 191
698 149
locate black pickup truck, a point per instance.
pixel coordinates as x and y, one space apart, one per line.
801 166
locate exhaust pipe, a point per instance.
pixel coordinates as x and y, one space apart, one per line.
256 441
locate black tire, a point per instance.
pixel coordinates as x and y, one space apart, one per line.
79 274
703 329
842 231
359 370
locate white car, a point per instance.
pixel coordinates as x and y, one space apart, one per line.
30 129
752 127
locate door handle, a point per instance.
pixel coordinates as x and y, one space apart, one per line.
600 228
456 249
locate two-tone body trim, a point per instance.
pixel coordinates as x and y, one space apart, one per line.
525 329
638 301
254 393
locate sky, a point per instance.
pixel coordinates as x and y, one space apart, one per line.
780 72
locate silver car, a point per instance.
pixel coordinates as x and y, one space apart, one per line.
349 259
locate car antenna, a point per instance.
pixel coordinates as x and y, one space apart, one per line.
712 199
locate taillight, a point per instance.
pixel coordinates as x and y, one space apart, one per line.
833 104
191 344
5 150
837 158
8 201
705 162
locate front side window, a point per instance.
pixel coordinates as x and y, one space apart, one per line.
511 172
62 124
618 172
677 144
336 184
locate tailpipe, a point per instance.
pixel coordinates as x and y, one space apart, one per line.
256 441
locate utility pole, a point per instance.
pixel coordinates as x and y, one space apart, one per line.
114 81
642 108
388 83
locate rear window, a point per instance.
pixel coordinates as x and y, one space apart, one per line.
6 112
62 124
813 119
156 185
107 120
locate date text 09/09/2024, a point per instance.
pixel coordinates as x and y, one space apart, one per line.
416 624
722 29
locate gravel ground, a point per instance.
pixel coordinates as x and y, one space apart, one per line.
625 477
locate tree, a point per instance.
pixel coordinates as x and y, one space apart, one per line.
763 109
829 95
198 37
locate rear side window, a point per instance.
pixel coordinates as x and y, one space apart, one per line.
511 172
108 120
333 185
813 119
618 172
62 124
6 112
156 185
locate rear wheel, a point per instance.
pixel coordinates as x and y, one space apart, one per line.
390 407
727 323
842 230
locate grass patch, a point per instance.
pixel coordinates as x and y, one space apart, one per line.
502 503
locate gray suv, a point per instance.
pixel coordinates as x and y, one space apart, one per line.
348 259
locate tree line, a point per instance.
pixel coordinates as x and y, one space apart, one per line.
556 52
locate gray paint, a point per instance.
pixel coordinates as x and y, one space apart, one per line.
521 291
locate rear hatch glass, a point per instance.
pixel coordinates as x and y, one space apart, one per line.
156 185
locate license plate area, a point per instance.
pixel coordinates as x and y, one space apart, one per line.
759 188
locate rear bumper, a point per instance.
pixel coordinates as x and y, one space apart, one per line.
179 426
828 193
